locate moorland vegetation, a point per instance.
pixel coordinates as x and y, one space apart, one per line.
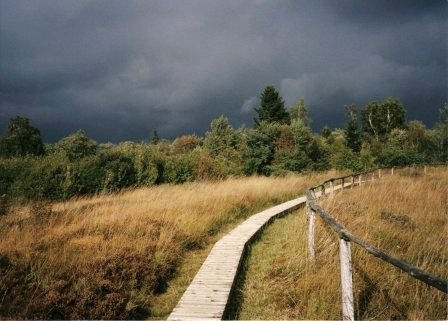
280 142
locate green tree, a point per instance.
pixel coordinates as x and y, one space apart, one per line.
220 137
325 132
155 137
76 146
300 112
185 144
272 107
441 134
379 118
352 133
21 139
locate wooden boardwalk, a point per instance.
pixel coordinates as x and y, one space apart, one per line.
208 294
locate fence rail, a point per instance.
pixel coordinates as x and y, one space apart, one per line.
345 237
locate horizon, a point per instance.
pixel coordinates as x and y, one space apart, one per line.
119 70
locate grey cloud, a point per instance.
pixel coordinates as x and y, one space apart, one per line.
249 105
119 69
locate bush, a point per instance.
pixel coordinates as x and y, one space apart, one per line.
288 160
259 150
10 171
400 157
41 179
185 144
145 166
179 169
76 146
84 177
119 171
347 159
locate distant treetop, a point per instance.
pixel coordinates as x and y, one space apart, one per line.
272 107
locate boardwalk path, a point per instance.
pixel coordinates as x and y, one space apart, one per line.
208 294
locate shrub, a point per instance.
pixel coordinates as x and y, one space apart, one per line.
399 157
41 179
185 144
145 166
119 171
179 169
289 160
84 177
76 146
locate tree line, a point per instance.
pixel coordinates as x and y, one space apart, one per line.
280 142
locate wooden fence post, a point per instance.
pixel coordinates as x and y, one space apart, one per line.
353 181
346 280
392 171
379 172
425 169
311 216
332 187
359 180
342 187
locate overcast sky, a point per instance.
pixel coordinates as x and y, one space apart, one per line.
119 69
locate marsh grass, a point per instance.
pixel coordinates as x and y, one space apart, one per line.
124 255
405 215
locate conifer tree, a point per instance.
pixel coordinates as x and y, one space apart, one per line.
352 133
272 107
154 137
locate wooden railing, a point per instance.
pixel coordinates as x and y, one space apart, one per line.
345 237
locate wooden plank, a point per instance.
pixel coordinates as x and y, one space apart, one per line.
208 294
311 227
345 257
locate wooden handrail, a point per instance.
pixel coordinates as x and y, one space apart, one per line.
434 281
346 237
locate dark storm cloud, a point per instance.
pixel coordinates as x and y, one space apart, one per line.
119 69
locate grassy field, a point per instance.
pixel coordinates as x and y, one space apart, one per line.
127 255
405 215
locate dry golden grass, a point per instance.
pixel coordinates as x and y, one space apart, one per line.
405 214
111 256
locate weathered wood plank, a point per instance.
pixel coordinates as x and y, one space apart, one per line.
345 256
208 294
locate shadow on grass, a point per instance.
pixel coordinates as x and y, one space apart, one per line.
236 298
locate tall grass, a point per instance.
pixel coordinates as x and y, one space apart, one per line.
405 215
111 256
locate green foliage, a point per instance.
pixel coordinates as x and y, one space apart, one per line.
325 132
145 166
352 133
179 169
185 144
440 135
119 171
347 159
259 150
84 177
154 137
76 165
76 146
21 139
400 157
319 155
302 134
272 107
221 137
300 112
380 118
12 170
289 160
